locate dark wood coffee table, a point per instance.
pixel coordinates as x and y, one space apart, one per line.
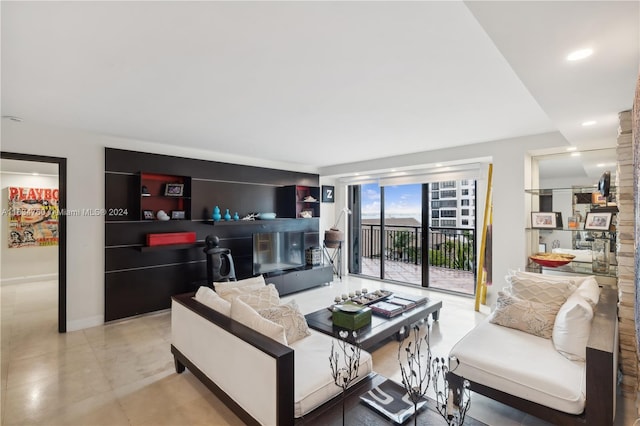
358 413
381 327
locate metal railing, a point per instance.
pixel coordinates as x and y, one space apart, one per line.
452 248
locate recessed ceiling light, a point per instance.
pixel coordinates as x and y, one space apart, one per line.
575 154
35 174
600 165
572 148
579 54
438 164
589 123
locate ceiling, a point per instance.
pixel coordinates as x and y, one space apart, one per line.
321 83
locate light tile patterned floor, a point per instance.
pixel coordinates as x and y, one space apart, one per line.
122 373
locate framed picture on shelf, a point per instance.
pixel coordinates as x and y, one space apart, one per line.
148 214
177 214
328 194
544 220
598 221
174 189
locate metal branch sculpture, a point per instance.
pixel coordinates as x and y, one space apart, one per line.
417 374
344 375
454 398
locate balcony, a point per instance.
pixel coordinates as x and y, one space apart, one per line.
452 256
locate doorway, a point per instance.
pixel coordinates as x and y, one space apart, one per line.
61 228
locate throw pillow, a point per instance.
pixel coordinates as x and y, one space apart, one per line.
207 296
232 289
253 281
577 279
248 316
590 290
262 298
290 317
524 315
541 291
572 328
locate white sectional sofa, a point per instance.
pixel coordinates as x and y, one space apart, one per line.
530 373
262 380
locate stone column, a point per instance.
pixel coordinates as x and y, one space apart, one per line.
625 255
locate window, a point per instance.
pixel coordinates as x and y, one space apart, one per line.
435 195
448 223
435 214
464 202
465 192
448 213
465 221
464 212
435 222
448 184
448 194
435 186
464 182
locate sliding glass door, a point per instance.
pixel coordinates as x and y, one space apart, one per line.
420 234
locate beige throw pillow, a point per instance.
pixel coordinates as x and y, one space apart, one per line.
524 315
541 291
207 296
290 317
262 298
232 289
248 316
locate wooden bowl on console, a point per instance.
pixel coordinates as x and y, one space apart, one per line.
551 260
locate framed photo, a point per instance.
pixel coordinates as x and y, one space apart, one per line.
328 194
148 214
598 221
174 189
177 214
543 220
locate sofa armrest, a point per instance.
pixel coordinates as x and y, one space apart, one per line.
250 369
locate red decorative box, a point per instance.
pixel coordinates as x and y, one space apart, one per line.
171 238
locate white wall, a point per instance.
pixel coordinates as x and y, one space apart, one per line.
85 190
29 263
511 175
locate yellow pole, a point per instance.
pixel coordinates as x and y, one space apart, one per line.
480 287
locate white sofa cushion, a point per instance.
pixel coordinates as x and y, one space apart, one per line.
524 315
572 328
523 365
313 381
248 316
289 316
261 298
207 296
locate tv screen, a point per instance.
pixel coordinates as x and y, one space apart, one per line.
277 251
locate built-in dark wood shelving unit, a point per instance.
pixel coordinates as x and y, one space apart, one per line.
141 279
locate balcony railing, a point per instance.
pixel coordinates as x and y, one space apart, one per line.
451 248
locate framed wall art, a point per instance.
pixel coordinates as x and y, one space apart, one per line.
328 194
543 220
598 221
174 189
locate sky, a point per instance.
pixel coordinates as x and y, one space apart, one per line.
400 201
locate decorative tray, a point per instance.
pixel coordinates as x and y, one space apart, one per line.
373 297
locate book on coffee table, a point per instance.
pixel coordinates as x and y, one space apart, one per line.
391 400
418 300
406 304
386 309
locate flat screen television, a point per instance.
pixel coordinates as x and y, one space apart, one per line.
277 251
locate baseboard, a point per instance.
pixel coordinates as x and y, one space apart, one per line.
85 323
28 279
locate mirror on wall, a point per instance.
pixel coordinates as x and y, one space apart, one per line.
568 184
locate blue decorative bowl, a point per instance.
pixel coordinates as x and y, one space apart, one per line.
266 216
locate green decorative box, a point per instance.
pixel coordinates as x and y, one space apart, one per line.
352 320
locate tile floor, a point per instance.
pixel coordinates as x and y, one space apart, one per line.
122 373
